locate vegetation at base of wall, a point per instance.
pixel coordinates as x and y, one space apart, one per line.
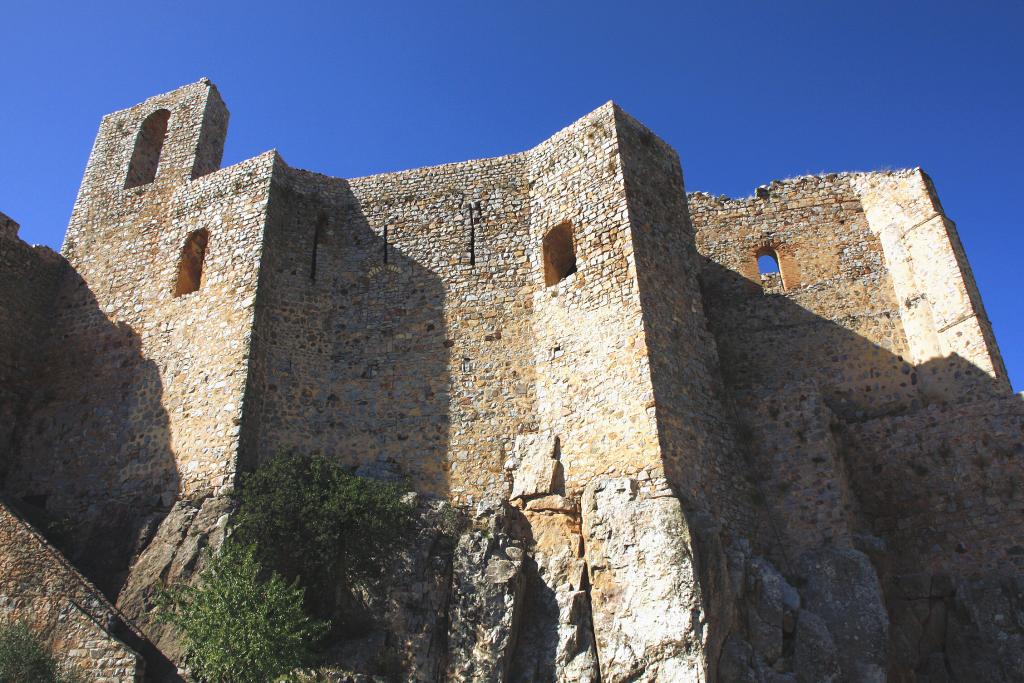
312 520
309 538
24 658
238 627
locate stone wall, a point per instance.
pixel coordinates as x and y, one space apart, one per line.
945 486
27 288
837 320
698 443
39 587
938 299
381 339
563 330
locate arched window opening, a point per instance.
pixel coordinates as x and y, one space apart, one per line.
770 270
190 269
559 254
148 144
767 262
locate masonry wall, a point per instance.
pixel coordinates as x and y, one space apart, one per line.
431 363
415 364
698 445
593 371
938 300
139 401
837 320
27 289
39 587
945 485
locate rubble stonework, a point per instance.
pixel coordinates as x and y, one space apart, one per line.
686 469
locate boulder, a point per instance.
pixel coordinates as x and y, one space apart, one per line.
644 593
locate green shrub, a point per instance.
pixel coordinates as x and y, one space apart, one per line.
237 628
25 659
311 519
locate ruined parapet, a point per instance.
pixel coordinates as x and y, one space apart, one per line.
8 228
28 282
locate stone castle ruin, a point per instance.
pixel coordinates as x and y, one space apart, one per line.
694 470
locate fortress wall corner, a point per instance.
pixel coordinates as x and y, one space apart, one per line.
936 292
592 365
700 453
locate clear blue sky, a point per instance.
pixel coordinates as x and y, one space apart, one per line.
747 92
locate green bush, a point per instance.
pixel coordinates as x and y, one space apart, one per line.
25 659
313 520
237 628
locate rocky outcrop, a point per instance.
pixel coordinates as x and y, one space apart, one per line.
174 555
486 598
949 630
843 589
646 600
402 628
556 641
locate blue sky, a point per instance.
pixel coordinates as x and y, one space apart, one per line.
747 92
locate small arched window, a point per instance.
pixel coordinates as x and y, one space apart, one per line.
771 270
559 254
190 268
767 261
148 144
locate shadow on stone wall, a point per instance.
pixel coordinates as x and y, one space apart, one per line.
94 468
350 358
904 499
352 363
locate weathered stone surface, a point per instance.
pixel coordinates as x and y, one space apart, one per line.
736 662
445 322
842 589
556 641
486 599
403 617
985 639
644 593
814 658
765 601
174 555
534 465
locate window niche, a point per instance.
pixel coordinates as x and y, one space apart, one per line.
148 144
559 254
190 267
773 269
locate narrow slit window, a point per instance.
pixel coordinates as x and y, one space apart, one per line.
321 223
474 221
559 254
190 268
148 144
